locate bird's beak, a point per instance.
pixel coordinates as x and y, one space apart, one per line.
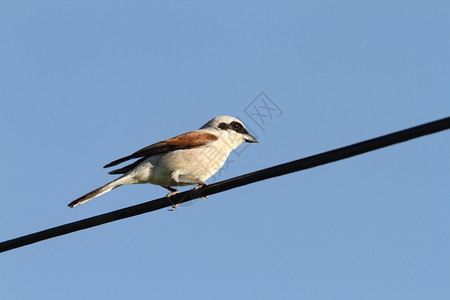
250 138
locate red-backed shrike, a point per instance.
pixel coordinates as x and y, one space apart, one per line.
187 159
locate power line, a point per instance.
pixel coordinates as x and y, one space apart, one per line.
279 170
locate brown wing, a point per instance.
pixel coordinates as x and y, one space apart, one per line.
187 140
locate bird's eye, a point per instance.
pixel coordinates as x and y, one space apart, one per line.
236 126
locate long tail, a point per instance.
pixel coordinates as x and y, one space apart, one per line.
100 191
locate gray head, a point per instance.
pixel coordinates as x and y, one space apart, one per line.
230 125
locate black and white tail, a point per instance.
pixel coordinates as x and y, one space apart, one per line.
100 191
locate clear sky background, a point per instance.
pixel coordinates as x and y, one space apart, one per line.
86 82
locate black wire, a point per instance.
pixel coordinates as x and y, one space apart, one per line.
286 168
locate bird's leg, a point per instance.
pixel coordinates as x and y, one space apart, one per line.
200 185
172 192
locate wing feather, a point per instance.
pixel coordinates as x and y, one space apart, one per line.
187 140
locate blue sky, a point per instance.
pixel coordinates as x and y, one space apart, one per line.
84 83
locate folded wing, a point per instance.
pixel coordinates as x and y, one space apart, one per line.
187 140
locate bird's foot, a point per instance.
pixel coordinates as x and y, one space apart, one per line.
172 192
174 207
200 185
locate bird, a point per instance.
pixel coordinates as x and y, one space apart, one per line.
187 159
